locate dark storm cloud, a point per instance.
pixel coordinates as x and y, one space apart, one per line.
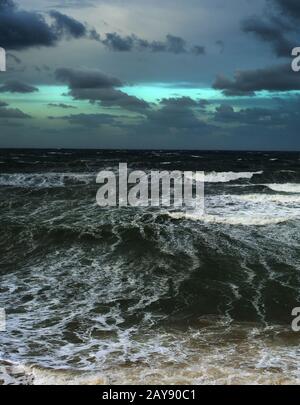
15 86
174 120
96 87
7 113
20 29
94 35
175 115
172 44
198 50
289 7
175 44
117 43
203 104
250 116
170 116
91 120
14 113
110 97
183 102
61 105
278 26
247 82
68 26
178 102
86 78
224 112
272 32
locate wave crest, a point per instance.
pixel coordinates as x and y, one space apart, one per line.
225 177
285 188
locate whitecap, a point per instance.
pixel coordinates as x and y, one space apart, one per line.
285 188
43 180
224 177
246 220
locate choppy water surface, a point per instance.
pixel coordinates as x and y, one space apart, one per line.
143 295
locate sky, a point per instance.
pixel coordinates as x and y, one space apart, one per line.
150 74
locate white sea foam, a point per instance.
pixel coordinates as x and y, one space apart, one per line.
224 177
42 376
41 180
246 209
213 353
271 198
285 188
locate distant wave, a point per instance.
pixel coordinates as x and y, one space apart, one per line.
55 179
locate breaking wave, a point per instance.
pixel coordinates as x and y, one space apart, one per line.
224 177
285 188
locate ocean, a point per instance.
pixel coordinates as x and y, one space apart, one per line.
149 295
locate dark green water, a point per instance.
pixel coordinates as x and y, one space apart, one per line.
149 295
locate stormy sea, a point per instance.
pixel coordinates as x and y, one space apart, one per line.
149 295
